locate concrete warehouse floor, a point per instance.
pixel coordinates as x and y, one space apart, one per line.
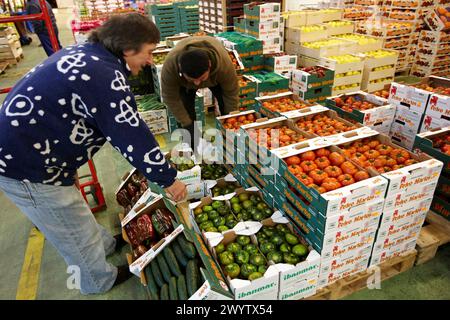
32 270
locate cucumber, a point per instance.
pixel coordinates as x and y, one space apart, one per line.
165 292
179 254
165 271
157 273
187 247
172 261
173 291
181 286
151 283
192 277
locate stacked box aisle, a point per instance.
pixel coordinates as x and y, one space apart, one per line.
165 16
188 14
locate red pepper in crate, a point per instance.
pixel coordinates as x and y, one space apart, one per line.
145 226
132 190
162 223
132 231
123 198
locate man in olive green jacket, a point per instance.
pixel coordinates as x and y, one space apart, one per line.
194 63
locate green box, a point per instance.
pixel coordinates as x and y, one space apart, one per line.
270 82
239 24
306 80
424 143
244 44
264 11
315 94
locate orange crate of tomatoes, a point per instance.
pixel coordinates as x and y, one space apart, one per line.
404 170
320 121
435 143
277 105
263 137
328 179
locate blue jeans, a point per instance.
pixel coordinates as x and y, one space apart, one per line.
47 44
65 219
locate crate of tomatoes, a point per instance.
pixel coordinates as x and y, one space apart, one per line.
277 105
405 171
320 121
436 143
368 109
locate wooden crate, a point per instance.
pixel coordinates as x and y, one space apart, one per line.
352 284
435 233
3 66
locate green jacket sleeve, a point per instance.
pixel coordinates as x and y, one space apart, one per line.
229 82
170 91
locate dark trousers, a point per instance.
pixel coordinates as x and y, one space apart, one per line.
188 98
46 43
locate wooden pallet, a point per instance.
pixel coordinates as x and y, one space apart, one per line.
359 281
3 66
435 233
14 61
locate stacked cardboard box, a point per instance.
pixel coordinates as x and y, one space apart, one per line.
435 143
379 69
153 112
10 48
432 55
348 72
418 107
313 84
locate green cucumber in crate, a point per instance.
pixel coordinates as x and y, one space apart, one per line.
172 261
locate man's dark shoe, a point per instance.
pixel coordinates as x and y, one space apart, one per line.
120 243
123 274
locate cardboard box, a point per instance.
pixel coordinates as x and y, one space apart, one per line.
335 269
402 200
272 44
262 12
374 118
158 127
280 63
380 256
345 47
424 143
406 121
405 180
333 30
330 203
406 96
306 80
298 291
298 34
434 22
263 29
439 107
264 288
285 95
191 176
430 123
376 86
342 67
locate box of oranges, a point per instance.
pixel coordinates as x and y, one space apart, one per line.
438 19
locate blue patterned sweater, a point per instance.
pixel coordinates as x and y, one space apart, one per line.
63 111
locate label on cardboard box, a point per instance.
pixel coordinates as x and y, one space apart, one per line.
407 212
407 196
335 269
386 243
403 95
299 290
379 257
430 123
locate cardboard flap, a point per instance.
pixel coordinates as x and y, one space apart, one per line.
353 135
247 228
278 217
210 183
252 189
194 205
214 238
305 111
279 95
229 178
134 212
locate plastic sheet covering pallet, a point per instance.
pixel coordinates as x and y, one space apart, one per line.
435 233
359 281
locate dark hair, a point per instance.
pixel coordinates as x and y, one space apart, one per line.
125 32
194 62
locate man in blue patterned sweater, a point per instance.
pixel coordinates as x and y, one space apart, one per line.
57 117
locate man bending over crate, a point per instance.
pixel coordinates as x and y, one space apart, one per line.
194 63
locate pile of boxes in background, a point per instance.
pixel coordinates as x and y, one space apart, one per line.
419 109
10 48
174 18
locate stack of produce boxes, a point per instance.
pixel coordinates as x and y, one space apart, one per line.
248 86
249 49
262 21
417 106
411 181
313 84
436 143
153 113
379 69
218 15
367 109
165 16
159 56
189 17
270 83
432 55
280 63
395 35
341 225
348 72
